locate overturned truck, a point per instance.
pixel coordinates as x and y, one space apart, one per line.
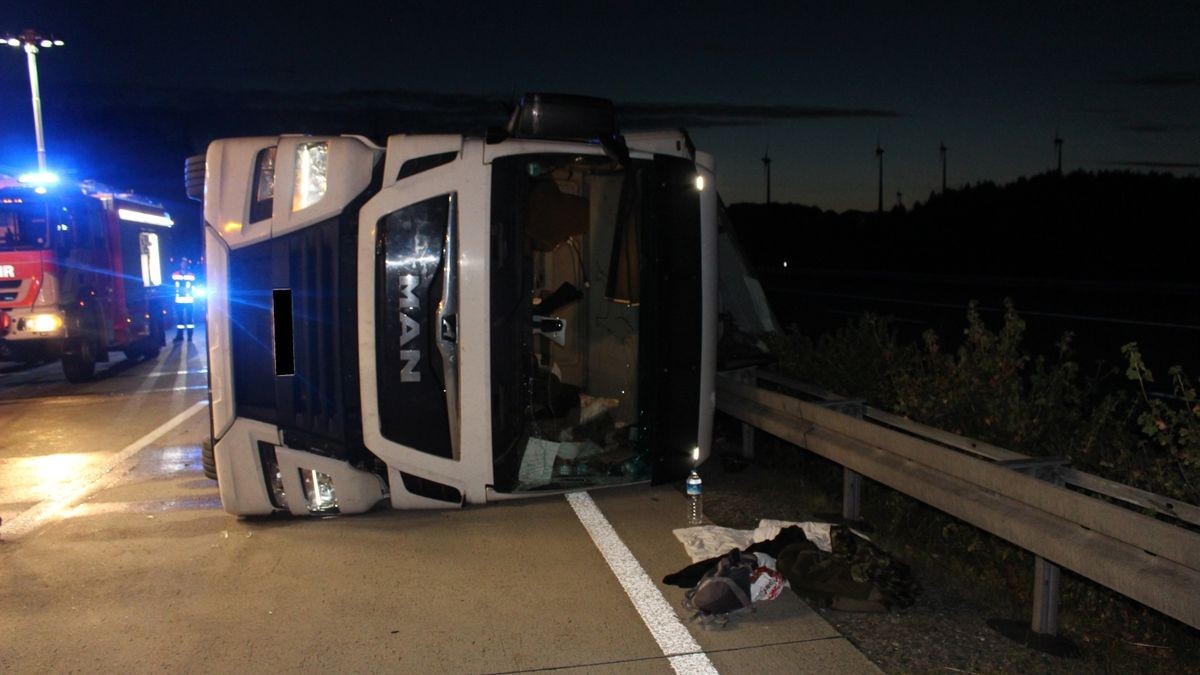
451 319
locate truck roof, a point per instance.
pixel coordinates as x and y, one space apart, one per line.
13 189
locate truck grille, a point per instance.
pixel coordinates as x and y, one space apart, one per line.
9 289
317 402
324 310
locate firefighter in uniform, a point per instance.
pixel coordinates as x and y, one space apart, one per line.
184 300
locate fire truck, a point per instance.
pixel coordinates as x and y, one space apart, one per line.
80 274
448 319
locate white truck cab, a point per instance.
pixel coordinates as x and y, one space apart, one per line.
449 319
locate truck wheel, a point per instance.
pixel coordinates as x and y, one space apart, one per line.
208 459
152 344
80 365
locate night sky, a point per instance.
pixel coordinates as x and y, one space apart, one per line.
1119 81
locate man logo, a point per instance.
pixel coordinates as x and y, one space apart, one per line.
410 329
7 272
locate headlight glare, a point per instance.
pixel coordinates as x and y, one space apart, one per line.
311 174
44 323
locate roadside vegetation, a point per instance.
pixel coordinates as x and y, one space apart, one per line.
1118 420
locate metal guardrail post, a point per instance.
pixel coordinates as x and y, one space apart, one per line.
1045 596
1045 573
750 375
747 440
851 494
851 481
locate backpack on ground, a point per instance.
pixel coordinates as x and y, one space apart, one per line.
723 590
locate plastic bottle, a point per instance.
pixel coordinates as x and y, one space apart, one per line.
695 496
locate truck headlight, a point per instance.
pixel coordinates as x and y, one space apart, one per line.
311 174
318 491
43 323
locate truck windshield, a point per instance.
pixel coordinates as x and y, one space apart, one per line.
567 319
24 225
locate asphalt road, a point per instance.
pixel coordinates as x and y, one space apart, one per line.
56 437
115 556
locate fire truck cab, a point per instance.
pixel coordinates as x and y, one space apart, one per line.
80 275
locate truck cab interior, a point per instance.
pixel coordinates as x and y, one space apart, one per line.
568 309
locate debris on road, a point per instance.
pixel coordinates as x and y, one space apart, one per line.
849 573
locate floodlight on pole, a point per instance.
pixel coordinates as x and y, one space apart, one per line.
32 42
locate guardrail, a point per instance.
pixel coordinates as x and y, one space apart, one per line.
1038 504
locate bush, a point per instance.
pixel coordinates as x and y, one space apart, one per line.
991 389
1167 460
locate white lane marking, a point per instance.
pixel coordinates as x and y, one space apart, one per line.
194 371
50 509
677 644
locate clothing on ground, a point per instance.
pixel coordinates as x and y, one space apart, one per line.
854 575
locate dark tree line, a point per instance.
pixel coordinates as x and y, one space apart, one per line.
1112 225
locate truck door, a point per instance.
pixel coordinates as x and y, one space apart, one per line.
88 277
422 340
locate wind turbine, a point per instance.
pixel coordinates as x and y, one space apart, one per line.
766 160
942 152
879 154
1058 141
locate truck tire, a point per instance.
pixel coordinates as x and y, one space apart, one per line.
80 364
208 459
154 342
148 346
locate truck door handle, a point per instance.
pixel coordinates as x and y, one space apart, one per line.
449 329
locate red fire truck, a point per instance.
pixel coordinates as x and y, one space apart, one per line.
80 274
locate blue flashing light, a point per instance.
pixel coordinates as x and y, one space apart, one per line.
38 178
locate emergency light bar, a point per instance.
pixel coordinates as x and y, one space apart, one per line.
39 178
143 217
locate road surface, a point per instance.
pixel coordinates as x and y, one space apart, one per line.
115 556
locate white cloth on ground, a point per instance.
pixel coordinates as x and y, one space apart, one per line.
704 542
